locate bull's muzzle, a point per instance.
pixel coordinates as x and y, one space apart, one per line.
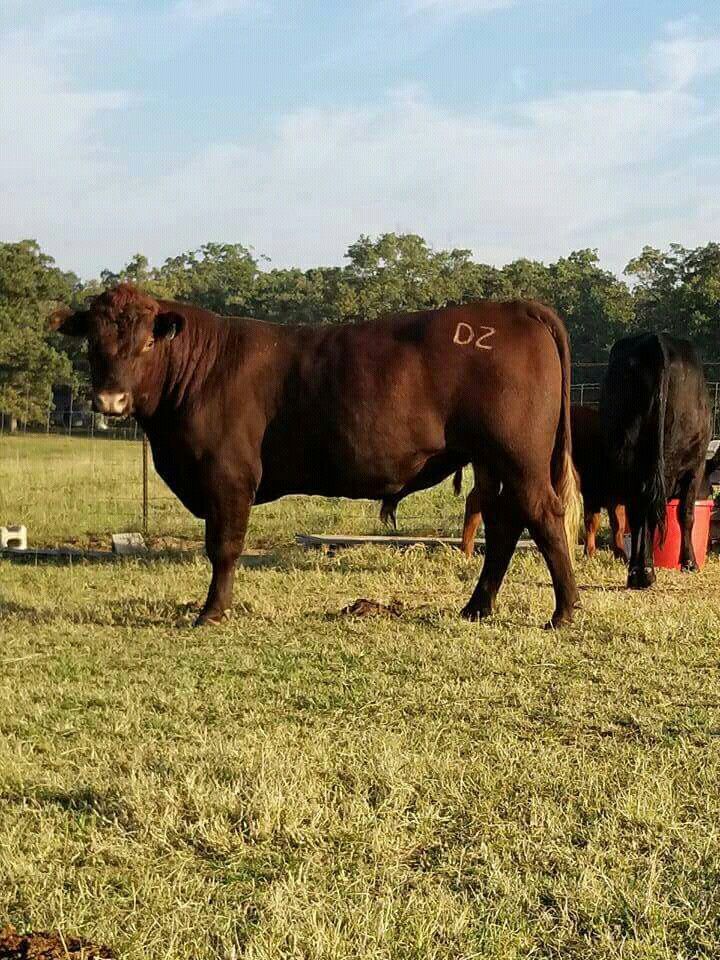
112 404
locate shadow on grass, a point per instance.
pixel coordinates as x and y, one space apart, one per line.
83 801
582 587
10 610
69 558
132 613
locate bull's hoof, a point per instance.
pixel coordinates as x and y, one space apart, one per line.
475 612
562 618
388 514
619 554
211 619
690 567
640 578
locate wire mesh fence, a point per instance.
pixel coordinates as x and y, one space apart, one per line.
588 394
74 476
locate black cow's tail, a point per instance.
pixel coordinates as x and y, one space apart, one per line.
457 481
562 470
656 492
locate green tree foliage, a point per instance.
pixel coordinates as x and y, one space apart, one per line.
401 272
678 290
321 295
596 306
30 361
219 277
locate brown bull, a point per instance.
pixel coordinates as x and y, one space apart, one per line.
239 412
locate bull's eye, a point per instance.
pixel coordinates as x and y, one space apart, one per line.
149 344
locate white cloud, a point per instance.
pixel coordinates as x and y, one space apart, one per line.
456 6
683 55
558 174
579 169
49 150
199 10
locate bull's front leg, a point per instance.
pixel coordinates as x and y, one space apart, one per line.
225 529
689 487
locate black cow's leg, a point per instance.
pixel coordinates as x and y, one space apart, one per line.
225 530
503 526
689 487
641 573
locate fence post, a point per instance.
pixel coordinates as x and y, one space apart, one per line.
715 411
144 481
582 394
70 414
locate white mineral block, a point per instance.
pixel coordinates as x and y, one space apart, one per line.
128 544
13 537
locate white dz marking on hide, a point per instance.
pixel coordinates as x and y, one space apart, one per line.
465 334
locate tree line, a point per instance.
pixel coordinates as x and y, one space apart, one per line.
676 290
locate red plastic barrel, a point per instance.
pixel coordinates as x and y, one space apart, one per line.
668 555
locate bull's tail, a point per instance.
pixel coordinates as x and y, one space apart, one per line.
457 481
562 470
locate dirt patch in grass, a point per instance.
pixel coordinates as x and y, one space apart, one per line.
371 608
48 946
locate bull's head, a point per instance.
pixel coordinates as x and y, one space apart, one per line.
125 330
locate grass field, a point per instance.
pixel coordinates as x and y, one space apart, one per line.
299 784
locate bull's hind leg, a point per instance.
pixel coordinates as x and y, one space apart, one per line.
546 525
503 526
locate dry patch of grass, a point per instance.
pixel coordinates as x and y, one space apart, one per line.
302 784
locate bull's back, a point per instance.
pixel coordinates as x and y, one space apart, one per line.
428 365
367 405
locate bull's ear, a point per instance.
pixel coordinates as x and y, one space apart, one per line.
71 323
168 325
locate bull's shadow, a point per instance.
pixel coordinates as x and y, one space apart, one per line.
74 558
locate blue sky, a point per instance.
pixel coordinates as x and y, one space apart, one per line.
512 127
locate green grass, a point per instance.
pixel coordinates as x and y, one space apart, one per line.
297 784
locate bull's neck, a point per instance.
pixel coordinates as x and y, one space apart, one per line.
184 367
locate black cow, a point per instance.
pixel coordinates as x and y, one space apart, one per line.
656 423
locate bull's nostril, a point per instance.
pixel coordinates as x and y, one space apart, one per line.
112 404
